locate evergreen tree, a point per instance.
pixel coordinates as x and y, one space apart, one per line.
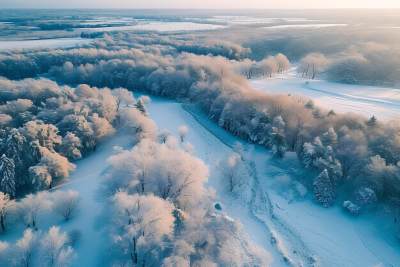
7 175
372 121
278 139
140 106
324 190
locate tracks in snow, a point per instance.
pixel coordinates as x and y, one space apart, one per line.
288 244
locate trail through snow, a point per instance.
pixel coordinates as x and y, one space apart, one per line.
309 235
212 148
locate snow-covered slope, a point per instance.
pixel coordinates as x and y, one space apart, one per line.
382 102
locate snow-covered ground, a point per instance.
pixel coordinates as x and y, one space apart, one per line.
304 230
43 43
86 179
299 26
382 102
249 20
161 26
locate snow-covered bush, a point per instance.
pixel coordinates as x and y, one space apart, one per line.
352 208
366 196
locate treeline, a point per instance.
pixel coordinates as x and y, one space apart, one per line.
284 123
45 127
354 55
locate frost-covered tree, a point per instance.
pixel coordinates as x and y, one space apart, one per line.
143 224
70 146
268 66
79 125
216 240
7 176
136 123
30 207
278 141
102 128
183 131
65 203
324 190
161 169
141 104
234 173
45 134
282 62
312 65
55 250
123 97
163 136
5 205
40 177
319 156
58 166
26 248
5 120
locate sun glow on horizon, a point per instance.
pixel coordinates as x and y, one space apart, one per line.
198 4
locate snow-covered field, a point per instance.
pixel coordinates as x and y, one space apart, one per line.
44 43
294 26
249 20
382 102
161 26
302 228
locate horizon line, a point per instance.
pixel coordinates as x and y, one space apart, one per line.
205 9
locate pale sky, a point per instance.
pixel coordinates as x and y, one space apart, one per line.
191 4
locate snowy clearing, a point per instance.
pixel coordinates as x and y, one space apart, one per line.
160 26
45 43
248 20
294 26
382 102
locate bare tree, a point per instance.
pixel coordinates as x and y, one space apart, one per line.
25 248
66 203
183 131
55 249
